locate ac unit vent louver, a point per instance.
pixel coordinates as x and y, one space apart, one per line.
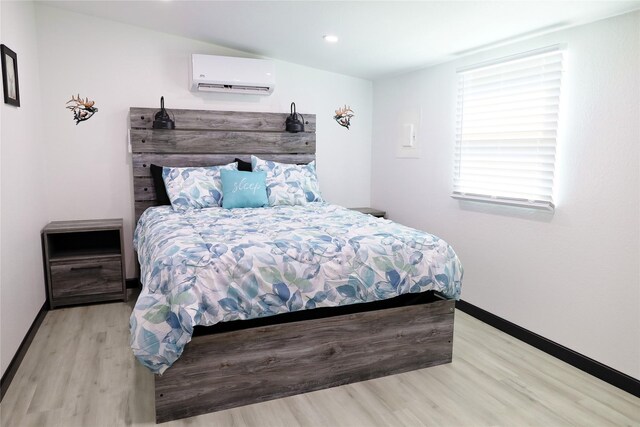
209 87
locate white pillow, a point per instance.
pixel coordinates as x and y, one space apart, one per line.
289 184
195 187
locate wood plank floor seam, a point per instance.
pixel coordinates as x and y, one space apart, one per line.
79 371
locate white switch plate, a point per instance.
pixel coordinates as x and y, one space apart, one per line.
409 136
407 147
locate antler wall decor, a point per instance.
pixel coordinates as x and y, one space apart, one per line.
83 109
343 116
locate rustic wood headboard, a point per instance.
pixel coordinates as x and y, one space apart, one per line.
209 138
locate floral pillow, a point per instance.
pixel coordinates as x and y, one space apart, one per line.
289 184
195 187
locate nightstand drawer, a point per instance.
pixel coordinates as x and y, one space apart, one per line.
88 277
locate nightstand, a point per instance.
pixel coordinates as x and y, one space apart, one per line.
370 211
84 261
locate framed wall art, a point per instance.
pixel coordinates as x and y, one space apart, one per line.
10 76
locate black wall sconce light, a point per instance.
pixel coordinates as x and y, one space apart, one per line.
294 124
162 119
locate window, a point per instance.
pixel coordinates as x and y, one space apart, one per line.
506 129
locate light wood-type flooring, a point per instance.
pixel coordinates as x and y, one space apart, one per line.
79 371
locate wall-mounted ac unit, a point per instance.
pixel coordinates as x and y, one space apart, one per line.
211 73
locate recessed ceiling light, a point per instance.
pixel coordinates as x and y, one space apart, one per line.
330 39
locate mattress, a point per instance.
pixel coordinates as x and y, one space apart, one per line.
207 266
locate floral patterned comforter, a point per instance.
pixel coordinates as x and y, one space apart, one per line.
206 266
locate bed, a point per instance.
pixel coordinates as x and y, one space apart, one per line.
299 298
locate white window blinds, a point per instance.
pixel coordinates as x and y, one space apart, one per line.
506 129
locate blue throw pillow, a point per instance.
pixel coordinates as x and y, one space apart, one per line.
243 189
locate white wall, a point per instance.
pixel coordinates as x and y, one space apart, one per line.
572 276
119 66
22 292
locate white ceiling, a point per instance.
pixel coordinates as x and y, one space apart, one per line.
376 38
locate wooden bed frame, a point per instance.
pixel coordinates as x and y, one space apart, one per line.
229 369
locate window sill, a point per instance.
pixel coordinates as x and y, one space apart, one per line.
537 205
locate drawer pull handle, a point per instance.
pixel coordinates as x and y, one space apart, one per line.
92 267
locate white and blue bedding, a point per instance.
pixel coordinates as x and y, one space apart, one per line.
201 267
